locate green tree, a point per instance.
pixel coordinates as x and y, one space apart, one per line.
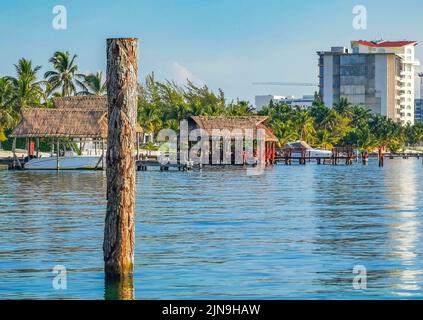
284 131
359 116
8 114
304 123
240 108
64 77
344 108
94 85
324 139
27 90
387 132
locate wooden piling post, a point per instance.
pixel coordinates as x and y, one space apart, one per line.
57 154
122 91
38 147
102 154
381 157
14 152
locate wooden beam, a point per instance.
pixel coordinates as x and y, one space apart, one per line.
122 91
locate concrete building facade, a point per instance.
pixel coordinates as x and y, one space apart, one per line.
377 75
418 110
406 51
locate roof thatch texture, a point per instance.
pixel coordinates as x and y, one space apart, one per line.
70 123
83 102
209 123
77 117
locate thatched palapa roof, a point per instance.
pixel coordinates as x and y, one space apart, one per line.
210 123
43 122
71 117
83 102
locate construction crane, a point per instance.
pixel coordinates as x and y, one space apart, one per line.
293 84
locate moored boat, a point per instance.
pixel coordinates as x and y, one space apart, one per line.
301 148
64 163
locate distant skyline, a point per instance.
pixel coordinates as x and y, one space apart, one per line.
224 44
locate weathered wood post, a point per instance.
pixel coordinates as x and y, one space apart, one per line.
122 92
58 154
38 147
14 152
102 155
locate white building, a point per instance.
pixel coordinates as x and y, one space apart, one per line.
377 75
406 51
264 101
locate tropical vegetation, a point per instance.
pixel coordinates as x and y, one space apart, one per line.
163 104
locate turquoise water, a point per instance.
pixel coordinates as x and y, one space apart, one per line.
292 232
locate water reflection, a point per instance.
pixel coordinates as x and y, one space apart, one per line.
119 288
293 232
402 189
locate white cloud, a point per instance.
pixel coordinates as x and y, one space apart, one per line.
181 74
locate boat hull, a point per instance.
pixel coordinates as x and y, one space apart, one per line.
313 153
65 163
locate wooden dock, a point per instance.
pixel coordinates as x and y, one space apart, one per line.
336 159
143 165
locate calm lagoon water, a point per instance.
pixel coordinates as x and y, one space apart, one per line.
292 232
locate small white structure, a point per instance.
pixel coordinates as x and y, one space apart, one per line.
264 101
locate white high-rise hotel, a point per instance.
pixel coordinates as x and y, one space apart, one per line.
377 74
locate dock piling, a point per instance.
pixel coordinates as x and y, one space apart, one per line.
122 90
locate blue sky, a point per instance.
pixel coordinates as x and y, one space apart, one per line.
225 44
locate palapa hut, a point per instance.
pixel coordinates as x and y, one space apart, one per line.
243 123
71 117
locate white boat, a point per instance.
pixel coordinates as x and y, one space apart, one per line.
298 148
68 162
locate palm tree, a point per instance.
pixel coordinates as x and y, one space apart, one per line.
6 100
149 116
27 91
366 139
305 125
359 116
324 139
94 85
8 115
387 132
65 74
320 113
240 108
343 107
284 131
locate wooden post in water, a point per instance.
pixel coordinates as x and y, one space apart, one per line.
102 155
38 147
122 92
381 156
14 152
138 146
57 154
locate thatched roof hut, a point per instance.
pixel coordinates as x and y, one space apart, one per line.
66 123
210 123
243 123
71 117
